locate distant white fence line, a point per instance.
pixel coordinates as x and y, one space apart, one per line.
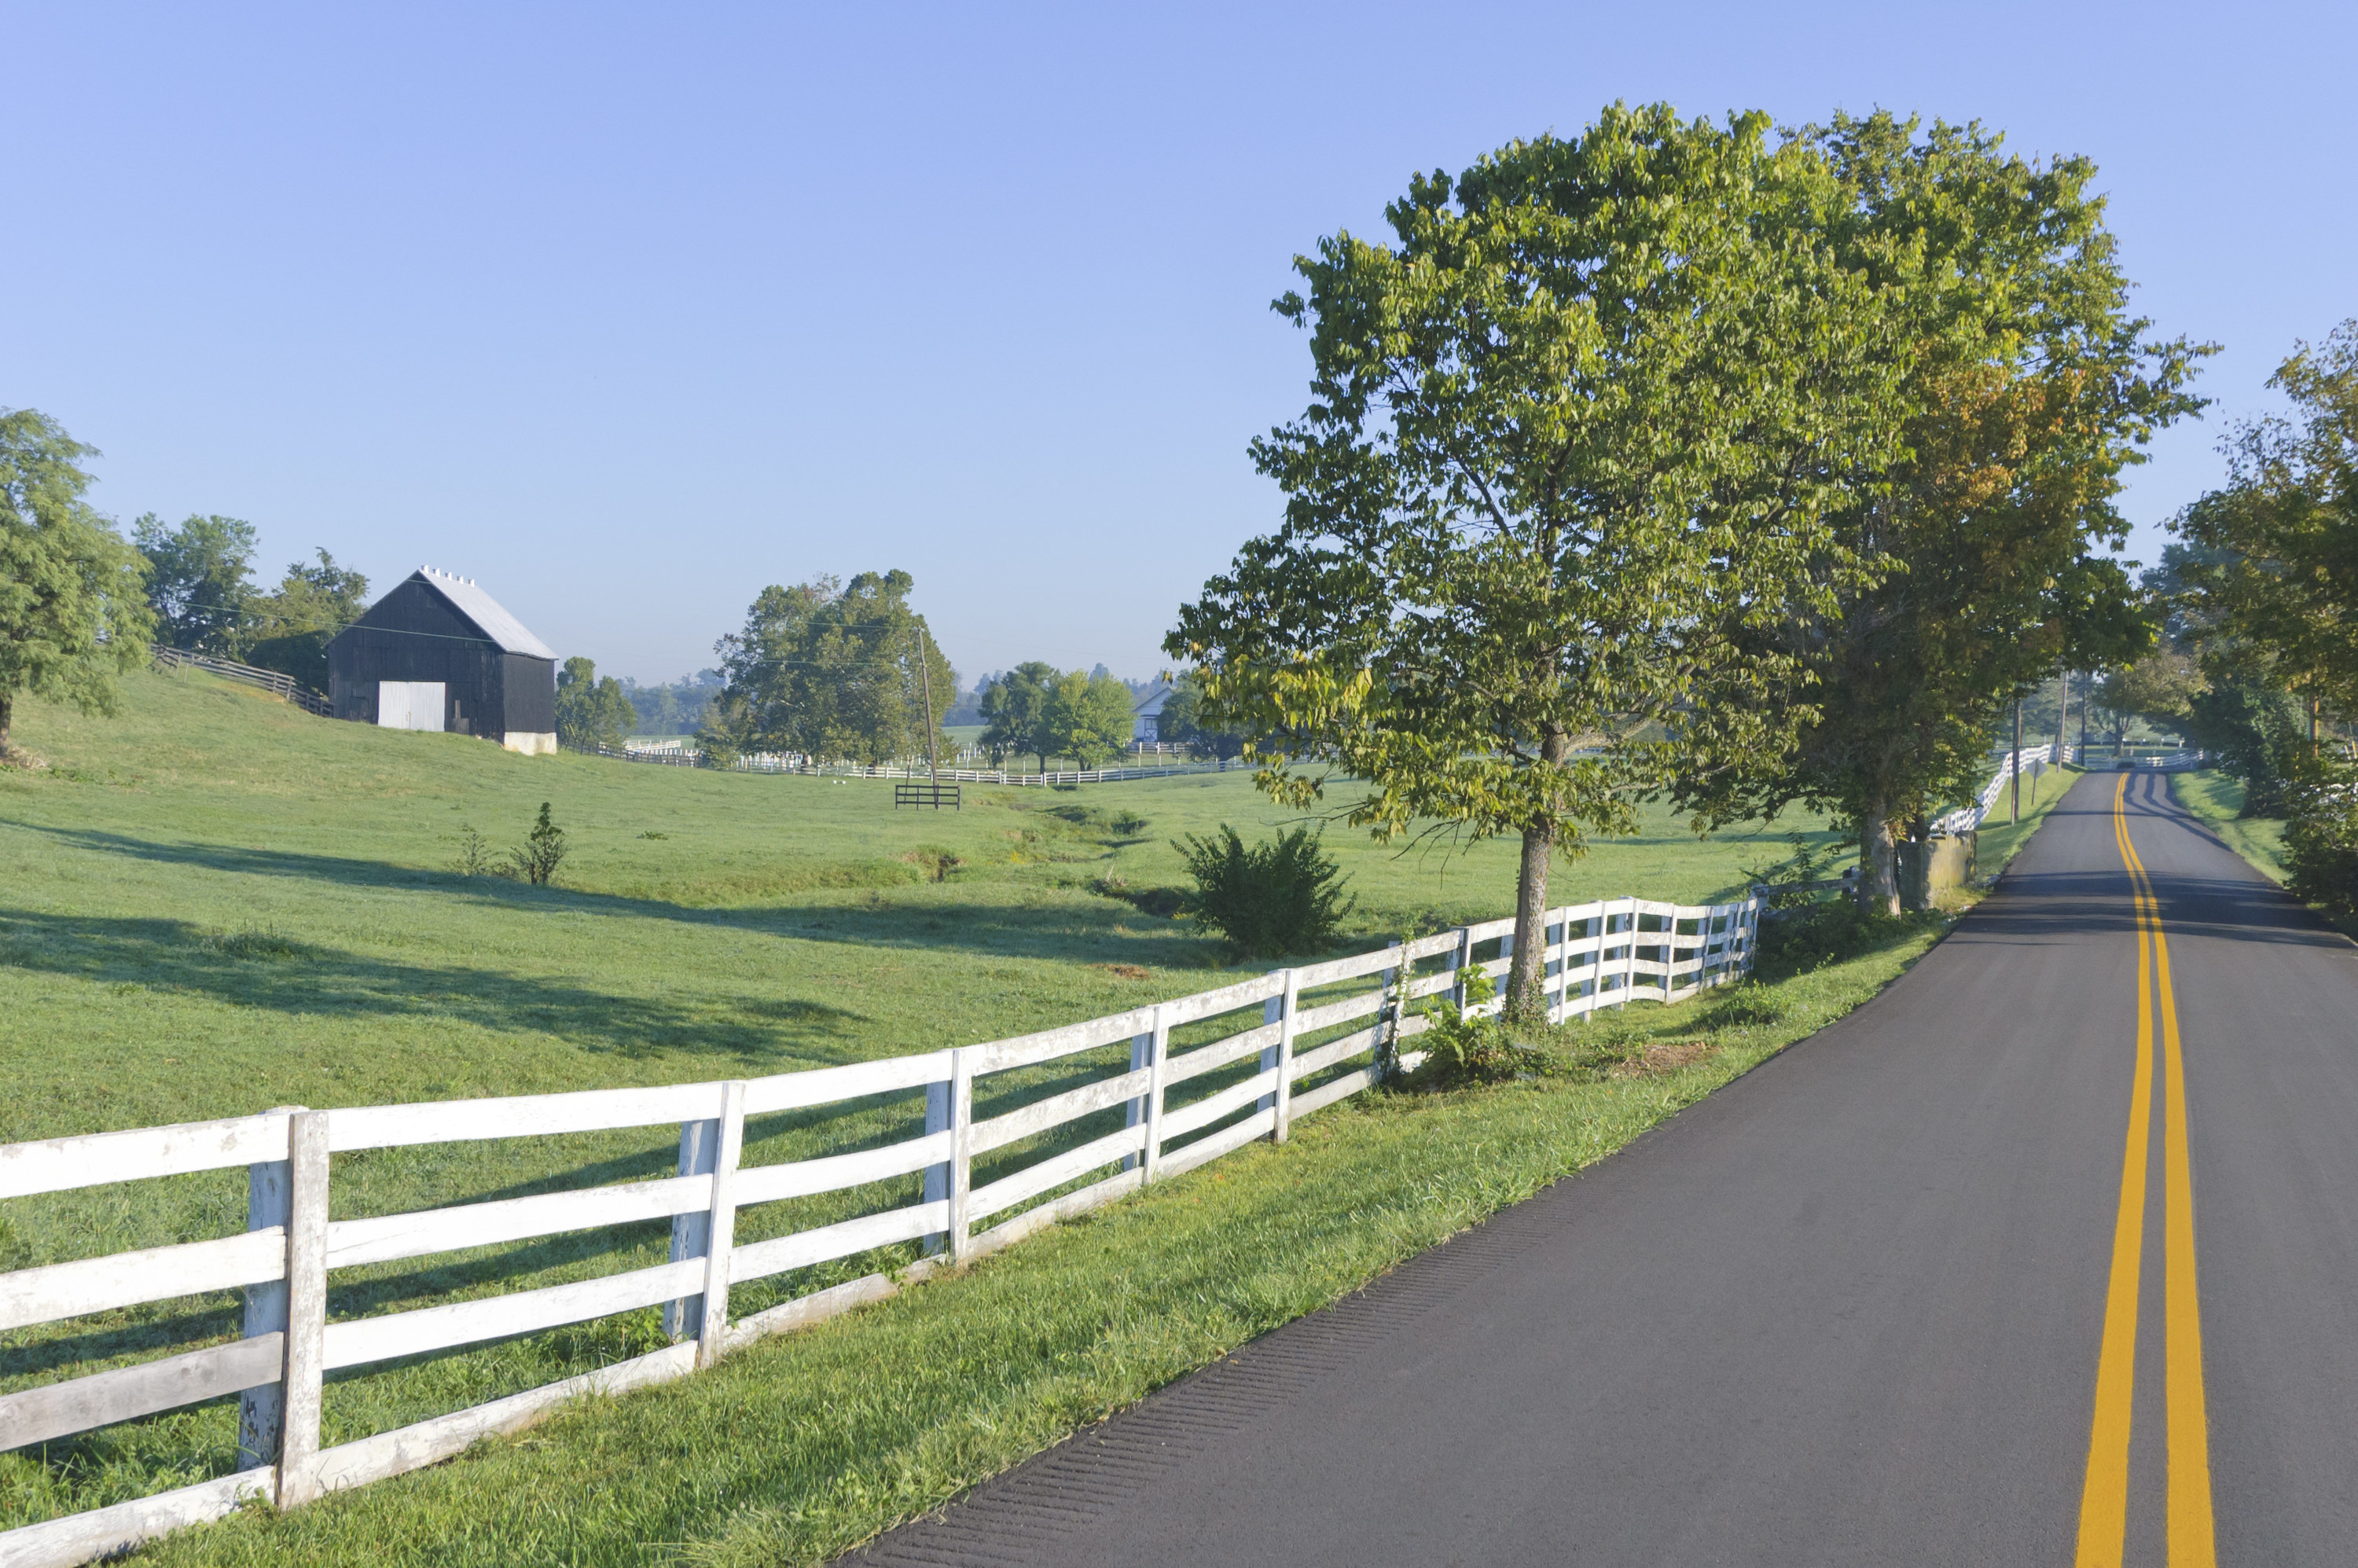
1298 1040
678 754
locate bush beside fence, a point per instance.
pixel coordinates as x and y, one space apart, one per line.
1262 1054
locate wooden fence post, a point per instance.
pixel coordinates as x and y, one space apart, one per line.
1283 1102
961 1151
1387 1016
691 1234
1141 1054
260 1412
938 1178
720 1223
1161 1050
1272 1011
305 1367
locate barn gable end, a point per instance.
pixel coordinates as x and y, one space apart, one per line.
439 652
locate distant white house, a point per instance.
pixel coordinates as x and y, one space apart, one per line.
1146 716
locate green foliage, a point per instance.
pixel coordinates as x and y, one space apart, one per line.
1282 895
1088 717
1015 712
537 859
197 580
831 671
1519 540
1129 825
289 627
2258 729
2029 390
591 710
2278 581
2320 841
1811 860
1182 721
1460 1051
72 619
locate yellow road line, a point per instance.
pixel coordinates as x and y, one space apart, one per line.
2191 1534
2103 1497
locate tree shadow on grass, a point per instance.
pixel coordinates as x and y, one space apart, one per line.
1002 930
302 979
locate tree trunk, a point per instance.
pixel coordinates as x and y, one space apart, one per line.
1527 980
1878 863
8 715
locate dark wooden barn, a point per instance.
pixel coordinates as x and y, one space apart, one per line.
437 653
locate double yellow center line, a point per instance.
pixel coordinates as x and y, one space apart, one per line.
2104 1499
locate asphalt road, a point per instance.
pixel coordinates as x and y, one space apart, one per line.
1851 1308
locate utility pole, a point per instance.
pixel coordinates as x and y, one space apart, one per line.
2062 711
933 752
2014 811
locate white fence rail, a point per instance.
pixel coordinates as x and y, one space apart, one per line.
1284 1046
772 763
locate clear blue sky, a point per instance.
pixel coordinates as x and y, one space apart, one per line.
629 311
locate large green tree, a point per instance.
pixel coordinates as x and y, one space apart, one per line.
73 616
1576 423
1090 716
592 710
833 670
2028 389
2277 569
197 580
1015 712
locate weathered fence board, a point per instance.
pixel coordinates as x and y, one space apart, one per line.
359 1341
1034 1180
833 1173
59 1409
756 1259
126 1279
56 1164
351 1243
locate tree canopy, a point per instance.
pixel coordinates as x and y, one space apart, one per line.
1573 427
831 669
1015 712
197 578
1090 717
2028 389
591 709
2279 572
72 614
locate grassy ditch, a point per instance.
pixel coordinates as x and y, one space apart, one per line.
800 1448
2217 799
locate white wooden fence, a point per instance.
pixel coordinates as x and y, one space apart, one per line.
772 762
1296 1040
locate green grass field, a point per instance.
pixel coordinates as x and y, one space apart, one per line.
2218 800
216 905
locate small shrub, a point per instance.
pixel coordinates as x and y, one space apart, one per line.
2320 842
1130 824
1749 1006
474 858
1459 1051
1807 863
1282 895
536 860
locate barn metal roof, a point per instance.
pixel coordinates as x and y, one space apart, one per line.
490 616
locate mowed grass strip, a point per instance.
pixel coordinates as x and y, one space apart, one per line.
2217 799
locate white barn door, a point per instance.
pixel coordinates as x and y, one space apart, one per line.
409 705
